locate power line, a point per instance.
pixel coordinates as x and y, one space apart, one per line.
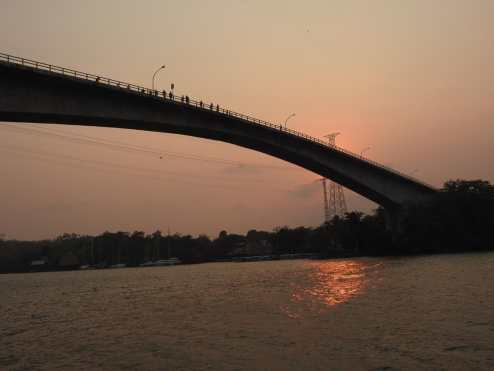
139 148
67 160
132 148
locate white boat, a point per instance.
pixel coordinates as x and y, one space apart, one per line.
161 263
171 261
147 264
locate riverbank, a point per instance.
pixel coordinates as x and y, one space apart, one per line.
458 219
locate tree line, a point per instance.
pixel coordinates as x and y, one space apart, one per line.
458 219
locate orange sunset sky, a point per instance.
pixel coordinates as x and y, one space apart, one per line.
412 80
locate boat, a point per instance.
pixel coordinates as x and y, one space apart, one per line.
164 262
161 263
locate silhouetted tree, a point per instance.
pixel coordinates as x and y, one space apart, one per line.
459 218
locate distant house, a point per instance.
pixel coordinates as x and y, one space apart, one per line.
38 264
238 248
260 247
256 248
69 261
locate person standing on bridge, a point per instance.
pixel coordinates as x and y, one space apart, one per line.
164 94
217 108
187 99
170 95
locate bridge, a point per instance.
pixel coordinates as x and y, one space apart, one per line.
32 91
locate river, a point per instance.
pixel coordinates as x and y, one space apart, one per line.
420 313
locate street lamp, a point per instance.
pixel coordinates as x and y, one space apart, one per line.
288 118
154 74
363 151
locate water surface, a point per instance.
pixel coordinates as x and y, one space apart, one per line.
356 314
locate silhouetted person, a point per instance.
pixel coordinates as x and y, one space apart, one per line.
211 106
200 103
164 93
170 95
182 99
187 99
217 108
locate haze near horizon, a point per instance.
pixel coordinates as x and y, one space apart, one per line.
412 81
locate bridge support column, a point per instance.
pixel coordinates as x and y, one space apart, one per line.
394 221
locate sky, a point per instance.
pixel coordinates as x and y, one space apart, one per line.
412 80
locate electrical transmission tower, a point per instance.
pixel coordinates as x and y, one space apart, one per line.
334 203
327 214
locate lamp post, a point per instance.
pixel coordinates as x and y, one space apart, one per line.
288 118
154 74
363 151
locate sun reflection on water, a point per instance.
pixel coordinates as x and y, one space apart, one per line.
336 282
330 283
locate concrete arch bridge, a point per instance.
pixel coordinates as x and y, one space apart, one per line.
37 92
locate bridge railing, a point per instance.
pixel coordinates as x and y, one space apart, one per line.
186 100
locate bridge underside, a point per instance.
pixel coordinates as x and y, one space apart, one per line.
28 95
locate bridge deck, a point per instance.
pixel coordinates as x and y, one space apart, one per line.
170 97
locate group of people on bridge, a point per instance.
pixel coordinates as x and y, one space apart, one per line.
185 99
